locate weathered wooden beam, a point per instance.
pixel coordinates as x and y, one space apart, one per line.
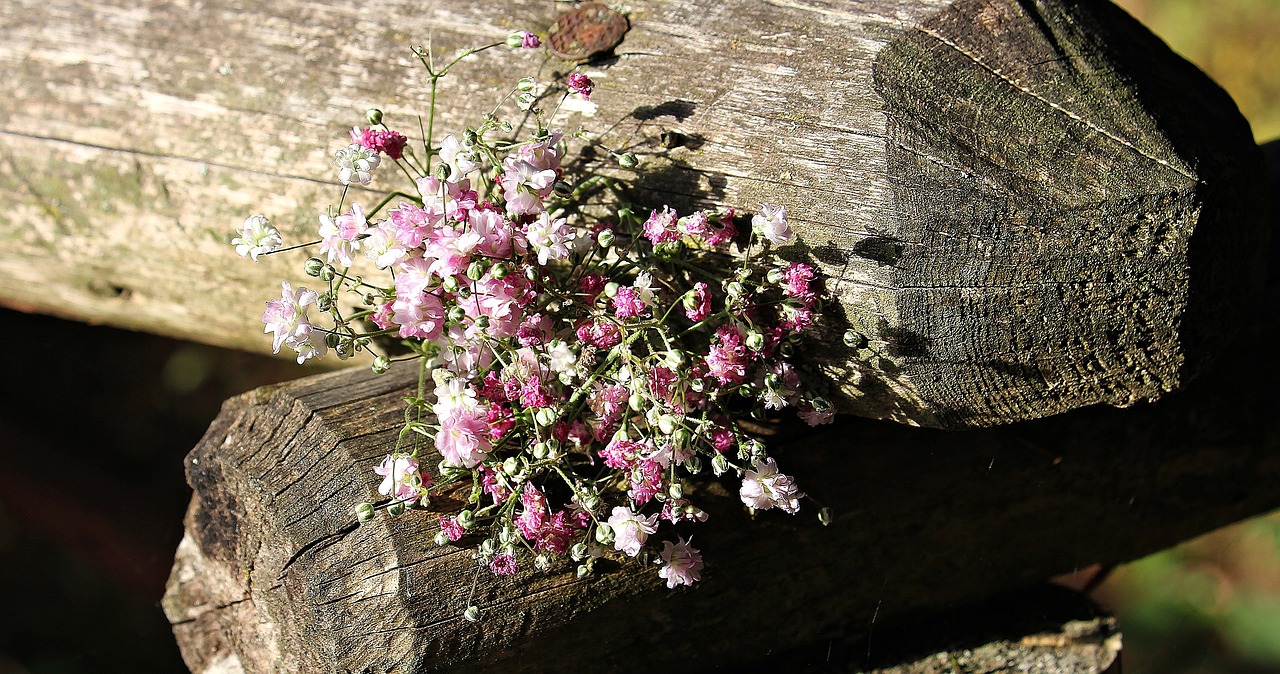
1026 205
275 575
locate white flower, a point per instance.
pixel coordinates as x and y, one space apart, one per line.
763 487
561 357
454 394
383 246
257 237
341 236
550 238
460 158
644 287
631 530
287 318
771 223
682 563
356 163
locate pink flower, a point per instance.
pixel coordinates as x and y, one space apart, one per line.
680 510
797 278
535 512
631 530
557 533
627 303
813 417
533 394
581 84
287 318
763 487
622 454
728 357
401 480
600 333
549 238
682 563
722 439
504 565
389 143
697 305
463 438
661 226
340 236
695 225
421 316
646 481
724 232
451 527
592 284
608 402
523 39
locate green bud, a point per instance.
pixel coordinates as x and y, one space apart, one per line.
499 270
821 404
442 171
313 266
510 465
584 570
693 464
472 614
504 535
456 314
364 512
470 137
611 289
667 424
605 238
578 551
542 562
482 322
772 381
824 516
786 349
562 189
396 509
450 284
381 364
540 450
635 402
682 437
373 116
467 519
604 534
626 160
720 465
476 270
735 289
527 84
545 416
755 340
525 101
464 291
676 490
531 273
854 339
441 539
324 301
331 340
775 276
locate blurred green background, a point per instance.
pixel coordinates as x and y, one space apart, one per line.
90 510
1211 606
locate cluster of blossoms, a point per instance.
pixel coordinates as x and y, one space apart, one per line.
580 361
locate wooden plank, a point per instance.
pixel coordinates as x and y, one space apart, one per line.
275 575
1026 206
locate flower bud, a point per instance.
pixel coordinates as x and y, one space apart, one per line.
626 159
324 301
364 512
456 314
635 402
381 364
542 562
584 570
676 490
476 270
482 322
605 238
441 539
373 116
510 465
469 137
562 189
693 464
486 547
539 450
720 465
327 272
450 284
442 171
772 381
331 340
578 551
735 289
604 534
682 437
527 84
313 266
525 101
499 270
824 516
755 340
504 535
821 404
667 424
396 509
531 273
775 276
545 416
854 339
786 349
467 519
472 614
611 289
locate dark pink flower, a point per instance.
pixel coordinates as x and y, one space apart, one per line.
451 527
503 565
697 304
581 84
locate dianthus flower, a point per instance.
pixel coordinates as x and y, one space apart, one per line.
646 481
534 515
723 231
631 530
727 356
682 563
257 237
797 278
460 158
600 333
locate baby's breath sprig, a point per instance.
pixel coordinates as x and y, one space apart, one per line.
579 362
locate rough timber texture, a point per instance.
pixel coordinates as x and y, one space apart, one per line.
1027 206
275 575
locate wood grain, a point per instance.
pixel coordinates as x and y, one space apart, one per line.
1026 206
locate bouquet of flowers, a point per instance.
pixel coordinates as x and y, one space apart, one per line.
579 359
